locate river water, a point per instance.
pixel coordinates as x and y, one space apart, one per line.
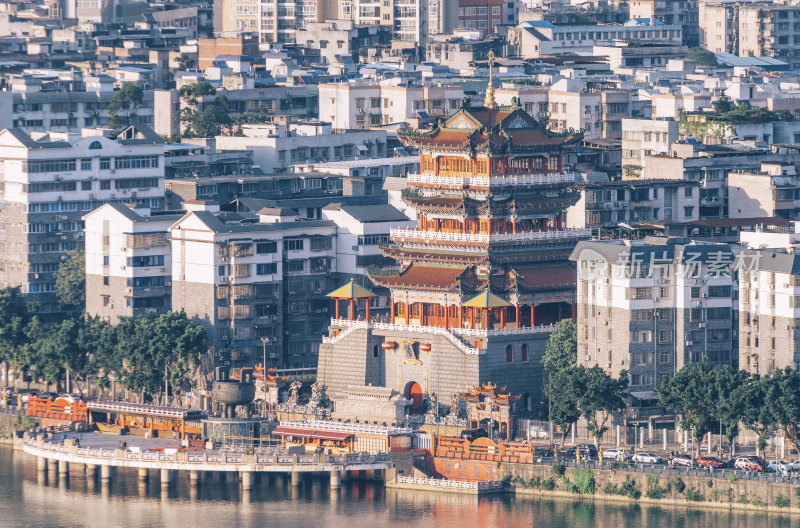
27 502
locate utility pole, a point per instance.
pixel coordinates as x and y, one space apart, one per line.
166 386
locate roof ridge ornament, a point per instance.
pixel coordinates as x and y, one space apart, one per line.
489 101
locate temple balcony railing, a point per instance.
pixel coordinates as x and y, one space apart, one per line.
465 181
399 233
455 335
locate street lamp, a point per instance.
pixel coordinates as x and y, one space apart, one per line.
264 341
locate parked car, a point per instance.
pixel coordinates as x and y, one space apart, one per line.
474 434
681 460
537 432
749 463
616 454
779 466
710 462
647 458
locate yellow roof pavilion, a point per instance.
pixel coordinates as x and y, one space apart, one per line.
351 290
487 300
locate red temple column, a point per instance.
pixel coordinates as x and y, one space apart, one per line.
446 316
574 315
436 165
503 317
517 315
486 319
514 225
336 301
367 314
391 309
533 315
559 163
352 309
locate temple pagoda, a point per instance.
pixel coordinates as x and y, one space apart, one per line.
484 276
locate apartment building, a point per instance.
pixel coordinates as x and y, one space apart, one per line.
486 16
535 39
774 190
52 180
682 12
599 113
645 137
277 146
719 26
271 20
407 18
606 205
248 281
769 306
128 262
653 307
364 104
769 29
337 40
460 53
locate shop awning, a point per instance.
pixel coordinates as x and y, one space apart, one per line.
312 433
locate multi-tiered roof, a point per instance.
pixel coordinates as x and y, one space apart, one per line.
490 197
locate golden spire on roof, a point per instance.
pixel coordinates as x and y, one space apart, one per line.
489 101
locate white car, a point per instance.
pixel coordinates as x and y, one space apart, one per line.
535 431
779 466
613 454
647 458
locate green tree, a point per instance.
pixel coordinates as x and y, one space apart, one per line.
703 57
185 62
567 387
782 401
150 348
600 396
691 392
561 350
757 417
731 388
18 322
211 120
127 98
71 282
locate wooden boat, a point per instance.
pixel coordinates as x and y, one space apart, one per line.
110 428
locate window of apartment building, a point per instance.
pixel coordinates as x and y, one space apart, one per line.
719 313
86 186
319 265
106 300
639 359
105 185
295 244
105 260
688 211
266 247
136 162
641 316
372 240
639 294
663 292
641 379
664 337
719 291
321 243
267 269
687 192
375 102
105 163
696 315
295 265
241 270
641 336
664 356
146 261
86 164
359 102
53 165
695 292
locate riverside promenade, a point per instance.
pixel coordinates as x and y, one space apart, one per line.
96 451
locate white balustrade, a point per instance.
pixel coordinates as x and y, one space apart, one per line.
452 484
452 334
485 181
560 234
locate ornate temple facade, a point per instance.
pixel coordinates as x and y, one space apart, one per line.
484 277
